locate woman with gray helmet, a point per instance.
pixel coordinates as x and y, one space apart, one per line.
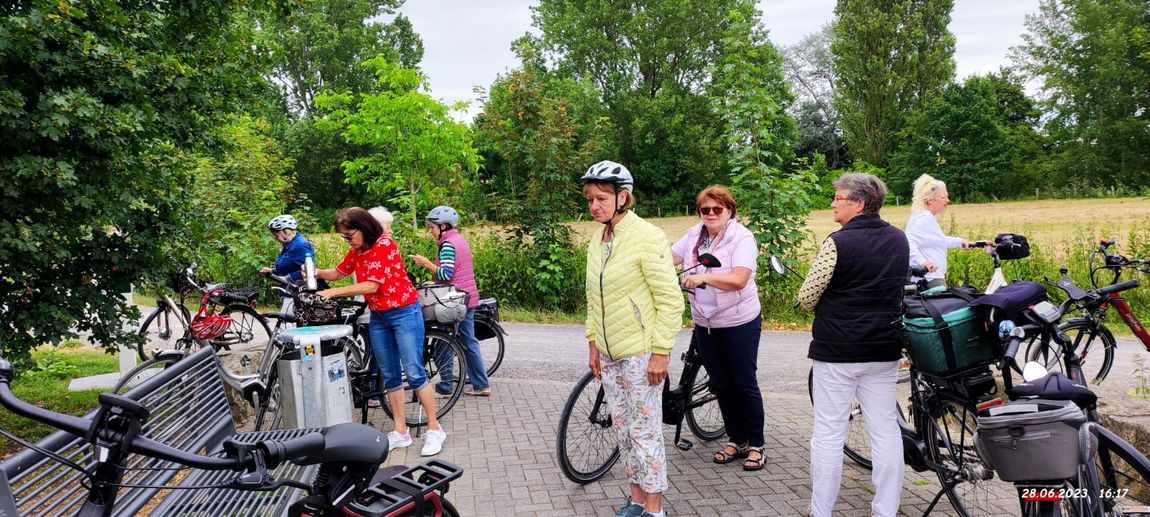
454 266
634 311
295 247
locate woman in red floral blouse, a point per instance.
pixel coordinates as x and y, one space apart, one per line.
396 319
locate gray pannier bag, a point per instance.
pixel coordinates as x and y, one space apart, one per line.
443 303
1032 439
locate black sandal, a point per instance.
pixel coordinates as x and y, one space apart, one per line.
754 463
723 456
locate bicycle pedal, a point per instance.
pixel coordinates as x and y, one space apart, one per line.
684 444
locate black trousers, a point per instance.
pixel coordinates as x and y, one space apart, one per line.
731 358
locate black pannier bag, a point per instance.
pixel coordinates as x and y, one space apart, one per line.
1032 440
1010 246
1007 302
490 308
944 335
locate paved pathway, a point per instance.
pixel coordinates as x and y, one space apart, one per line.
506 444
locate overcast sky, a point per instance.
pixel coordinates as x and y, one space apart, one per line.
468 42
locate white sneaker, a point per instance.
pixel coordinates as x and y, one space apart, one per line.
396 440
433 442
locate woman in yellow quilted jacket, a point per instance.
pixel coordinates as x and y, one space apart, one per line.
634 311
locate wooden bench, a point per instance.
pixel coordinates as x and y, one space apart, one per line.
188 410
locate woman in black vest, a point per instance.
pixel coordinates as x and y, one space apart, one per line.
855 288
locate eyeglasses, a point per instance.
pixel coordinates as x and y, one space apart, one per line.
708 210
347 236
844 198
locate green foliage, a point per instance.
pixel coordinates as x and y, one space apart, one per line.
319 47
957 137
753 100
417 149
549 278
650 62
891 57
809 66
232 199
1092 58
102 106
543 131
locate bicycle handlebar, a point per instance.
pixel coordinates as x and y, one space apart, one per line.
1119 287
83 427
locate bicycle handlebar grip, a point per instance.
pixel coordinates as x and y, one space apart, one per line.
1119 287
295 448
1012 347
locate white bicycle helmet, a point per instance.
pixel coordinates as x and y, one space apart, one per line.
282 222
608 171
443 214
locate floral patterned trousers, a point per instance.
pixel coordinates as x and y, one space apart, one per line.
637 415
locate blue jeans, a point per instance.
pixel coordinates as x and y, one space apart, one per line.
397 342
476 370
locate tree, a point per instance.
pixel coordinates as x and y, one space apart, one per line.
650 63
891 57
809 66
102 106
543 131
1091 59
753 97
320 46
417 149
957 138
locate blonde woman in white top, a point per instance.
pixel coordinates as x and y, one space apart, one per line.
928 243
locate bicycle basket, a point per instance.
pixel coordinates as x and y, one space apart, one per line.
1031 440
443 303
313 309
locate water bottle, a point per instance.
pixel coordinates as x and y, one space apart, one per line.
309 271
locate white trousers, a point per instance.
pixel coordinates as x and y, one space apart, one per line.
835 387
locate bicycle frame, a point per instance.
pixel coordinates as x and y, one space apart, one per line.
1128 317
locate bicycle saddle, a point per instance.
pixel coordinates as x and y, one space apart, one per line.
1055 386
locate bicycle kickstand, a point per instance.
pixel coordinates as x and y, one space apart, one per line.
682 444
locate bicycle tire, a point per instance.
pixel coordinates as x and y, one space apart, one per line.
598 450
269 414
249 330
949 436
857 444
1120 466
448 508
442 355
703 415
1087 338
162 329
491 348
140 373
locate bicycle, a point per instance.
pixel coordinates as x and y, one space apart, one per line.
441 351
586 420
348 455
1110 473
1088 330
225 318
937 428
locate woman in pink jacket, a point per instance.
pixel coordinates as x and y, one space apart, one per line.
728 320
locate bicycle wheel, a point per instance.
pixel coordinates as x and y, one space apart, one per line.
1094 346
249 330
968 483
1123 474
585 444
268 409
163 330
703 414
446 366
857 444
492 347
141 373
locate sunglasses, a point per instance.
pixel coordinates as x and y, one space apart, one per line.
347 236
708 210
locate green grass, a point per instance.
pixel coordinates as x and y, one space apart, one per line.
47 387
513 314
